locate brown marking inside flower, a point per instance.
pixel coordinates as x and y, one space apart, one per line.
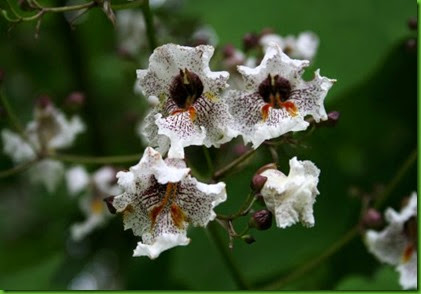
407 253
275 91
97 206
191 110
185 89
177 215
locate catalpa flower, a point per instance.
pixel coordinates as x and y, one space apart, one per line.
49 131
304 46
190 111
95 188
397 244
161 199
276 99
291 198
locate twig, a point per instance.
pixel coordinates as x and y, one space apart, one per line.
95 160
17 169
150 28
227 258
226 169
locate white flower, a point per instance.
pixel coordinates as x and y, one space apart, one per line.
161 199
190 110
97 186
397 243
131 30
276 99
291 198
50 130
302 47
47 172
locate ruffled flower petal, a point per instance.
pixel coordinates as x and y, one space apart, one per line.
195 115
47 172
291 198
276 99
161 199
77 179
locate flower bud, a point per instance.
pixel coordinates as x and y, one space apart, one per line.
250 41
75 99
109 202
413 23
228 51
43 101
261 220
372 219
257 182
411 45
249 239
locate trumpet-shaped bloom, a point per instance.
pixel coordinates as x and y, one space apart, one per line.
96 187
49 131
397 243
161 199
291 198
276 99
190 110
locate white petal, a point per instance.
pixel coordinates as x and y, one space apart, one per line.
105 181
130 26
15 147
81 230
408 273
68 130
162 243
47 172
291 198
148 130
306 45
77 179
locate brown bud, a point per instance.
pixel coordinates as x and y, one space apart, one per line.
109 202
249 239
411 45
228 51
372 219
261 220
250 41
43 101
413 23
75 99
257 182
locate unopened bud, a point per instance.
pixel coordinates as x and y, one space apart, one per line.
372 219
411 45
75 99
43 101
228 51
261 220
257 182
250 41
109 202
249 239
413 23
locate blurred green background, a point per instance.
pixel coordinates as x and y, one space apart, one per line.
363 44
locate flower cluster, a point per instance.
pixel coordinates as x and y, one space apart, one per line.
192 105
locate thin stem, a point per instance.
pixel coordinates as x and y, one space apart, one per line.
150 28
17 169
94 159
397 178
42 10
244 209
208 160
227 258
273 153
314 262
226 169
14 121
